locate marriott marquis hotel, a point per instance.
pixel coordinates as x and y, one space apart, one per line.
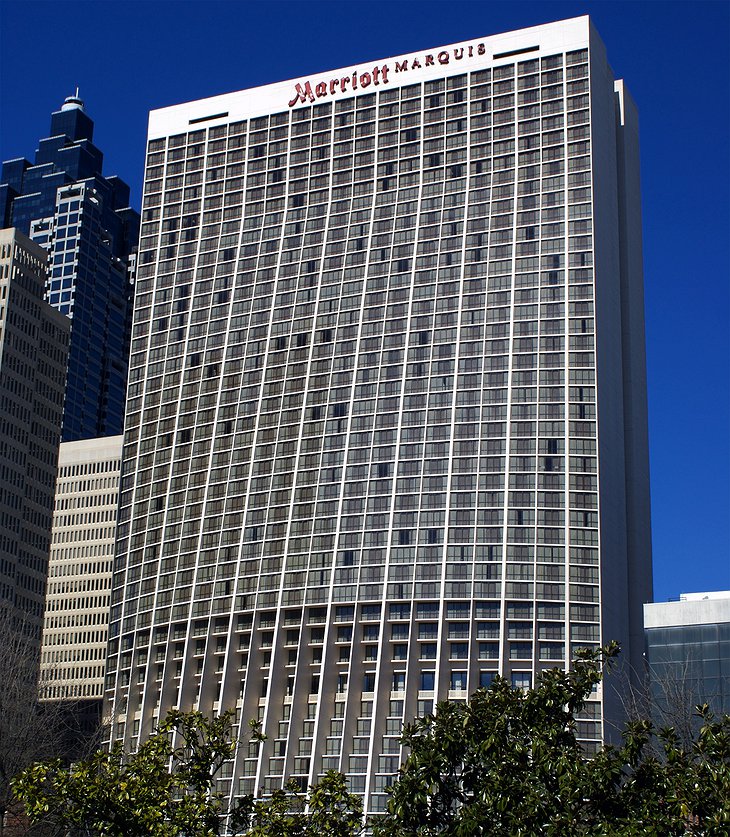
386 418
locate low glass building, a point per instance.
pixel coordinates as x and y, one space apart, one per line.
688 652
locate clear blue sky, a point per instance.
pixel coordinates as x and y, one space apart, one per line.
130 57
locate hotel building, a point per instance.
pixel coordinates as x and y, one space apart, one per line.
386 420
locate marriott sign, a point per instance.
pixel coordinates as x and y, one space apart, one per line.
380 74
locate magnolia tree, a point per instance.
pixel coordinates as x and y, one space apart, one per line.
167 789
508 762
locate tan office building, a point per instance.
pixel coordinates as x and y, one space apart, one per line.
80 569
33 355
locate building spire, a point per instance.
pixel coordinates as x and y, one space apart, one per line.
72 102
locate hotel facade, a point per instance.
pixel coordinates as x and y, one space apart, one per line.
386 420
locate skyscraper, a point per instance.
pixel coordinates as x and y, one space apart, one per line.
386 420
33 353
83 219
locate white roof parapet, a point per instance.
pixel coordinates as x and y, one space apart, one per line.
329 85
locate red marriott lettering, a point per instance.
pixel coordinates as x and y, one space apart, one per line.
379 75
305 93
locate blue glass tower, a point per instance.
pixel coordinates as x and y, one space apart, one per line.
83 219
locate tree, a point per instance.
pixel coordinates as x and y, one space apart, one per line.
30 728
509 762
165 789
668 693
328 809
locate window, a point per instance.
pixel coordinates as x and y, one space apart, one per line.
370 612
370 633
428 651
521 679
458 681
400 611
459 650
428 681
428 630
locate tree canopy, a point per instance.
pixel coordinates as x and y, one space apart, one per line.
166 789
328 809
510 762
507 762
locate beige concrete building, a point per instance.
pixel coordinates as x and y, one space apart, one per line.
33 355
80 569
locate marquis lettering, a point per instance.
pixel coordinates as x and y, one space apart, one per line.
307 92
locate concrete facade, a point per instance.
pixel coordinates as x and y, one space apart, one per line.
80 569
33 353
386 417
